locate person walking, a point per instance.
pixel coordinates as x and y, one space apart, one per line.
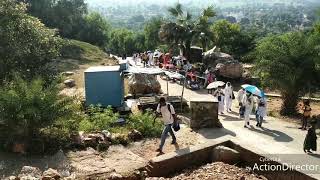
310 142
247 102
261 110
228 92
220 96
306 114
240 95
168 116
145 59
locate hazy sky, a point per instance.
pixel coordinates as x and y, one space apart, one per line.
199 3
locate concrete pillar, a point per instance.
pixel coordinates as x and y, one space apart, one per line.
204 113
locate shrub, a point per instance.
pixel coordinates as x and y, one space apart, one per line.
27 108
98 119
143 122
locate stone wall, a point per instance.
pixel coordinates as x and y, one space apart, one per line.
204 114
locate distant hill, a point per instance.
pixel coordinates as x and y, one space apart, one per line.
195 3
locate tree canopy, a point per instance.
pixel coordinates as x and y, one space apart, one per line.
151 31
95 30
231 39
185 30
26 45
288 63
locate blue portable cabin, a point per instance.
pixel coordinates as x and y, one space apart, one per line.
104 86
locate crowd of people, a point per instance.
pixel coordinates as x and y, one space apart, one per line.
246 100
177 64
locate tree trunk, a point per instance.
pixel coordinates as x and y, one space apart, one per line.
188 50
289 103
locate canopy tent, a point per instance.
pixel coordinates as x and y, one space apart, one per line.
140 70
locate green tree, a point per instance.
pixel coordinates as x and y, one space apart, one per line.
95 30
288 63
185 30
229 37
65 15
26 45
151 31
122 42
68 17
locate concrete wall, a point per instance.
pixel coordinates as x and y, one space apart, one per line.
204 114
174 162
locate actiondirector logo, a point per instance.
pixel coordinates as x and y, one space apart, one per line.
277 164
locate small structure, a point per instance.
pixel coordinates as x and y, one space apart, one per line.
104 86
204 113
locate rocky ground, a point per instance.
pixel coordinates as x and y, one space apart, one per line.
217 170
117 161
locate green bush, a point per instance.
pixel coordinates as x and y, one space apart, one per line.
27 108
143 122
98 119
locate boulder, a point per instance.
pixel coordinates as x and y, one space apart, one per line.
14 178
107 135
96 140
51 174
225 154
213 57
143 84
233 70
30 171
28 177
69 83
68 73
135 135
115 176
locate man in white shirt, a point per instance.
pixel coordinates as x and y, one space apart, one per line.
168 115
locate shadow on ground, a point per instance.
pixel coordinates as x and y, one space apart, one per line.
277 135
215 133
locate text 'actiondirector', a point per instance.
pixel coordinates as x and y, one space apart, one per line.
275 164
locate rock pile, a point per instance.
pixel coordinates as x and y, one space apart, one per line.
34 173
69 83
217 170
143 84
101 141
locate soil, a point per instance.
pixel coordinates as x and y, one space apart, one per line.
217 170
185 137
274 106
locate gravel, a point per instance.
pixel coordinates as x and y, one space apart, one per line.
217 170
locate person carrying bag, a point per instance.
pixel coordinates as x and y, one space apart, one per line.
170 121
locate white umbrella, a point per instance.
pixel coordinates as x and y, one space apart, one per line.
215 84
